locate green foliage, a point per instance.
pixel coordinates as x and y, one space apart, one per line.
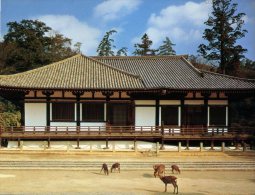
8 119
122 52
225 28
143 48
166 48
9 114
106 45
30 44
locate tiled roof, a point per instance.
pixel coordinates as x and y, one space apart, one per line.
77 72
174 72
125 72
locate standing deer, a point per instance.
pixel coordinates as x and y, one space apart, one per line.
105 168
170 180
115 166
175 168
159 169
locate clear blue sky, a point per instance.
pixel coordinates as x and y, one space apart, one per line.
86 21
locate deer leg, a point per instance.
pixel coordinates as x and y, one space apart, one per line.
165 187
175 186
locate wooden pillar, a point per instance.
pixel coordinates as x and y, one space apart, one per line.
157 112
48 94
78 95
78 111
182 113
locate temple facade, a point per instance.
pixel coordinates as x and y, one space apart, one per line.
152 97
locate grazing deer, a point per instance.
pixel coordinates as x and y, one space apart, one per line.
116 166
175 168
170 180
159 169
105 168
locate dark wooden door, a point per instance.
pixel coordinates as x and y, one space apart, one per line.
120 114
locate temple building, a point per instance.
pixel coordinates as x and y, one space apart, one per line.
124 97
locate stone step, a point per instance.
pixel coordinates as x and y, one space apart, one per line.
248 165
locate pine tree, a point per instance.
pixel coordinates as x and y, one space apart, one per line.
225 28
143 49
122 52
166 48
106 45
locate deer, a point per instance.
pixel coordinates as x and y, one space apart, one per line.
115 166
169 180
159 169
175 168
105 168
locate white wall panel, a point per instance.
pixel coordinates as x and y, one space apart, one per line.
145 116
35 114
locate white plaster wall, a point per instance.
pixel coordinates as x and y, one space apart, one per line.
145 116
90 124
35 114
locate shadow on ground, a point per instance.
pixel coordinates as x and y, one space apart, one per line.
147 175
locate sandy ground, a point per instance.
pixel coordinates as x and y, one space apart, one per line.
124 183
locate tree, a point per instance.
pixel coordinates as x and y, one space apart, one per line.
33 46
166 48
225 28
122 51
106 45
143 49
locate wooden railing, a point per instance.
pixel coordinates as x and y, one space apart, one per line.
126 130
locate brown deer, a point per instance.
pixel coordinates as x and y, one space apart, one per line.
105 168
175 168
159 169
170 180
115 166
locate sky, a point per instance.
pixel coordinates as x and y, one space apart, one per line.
86 21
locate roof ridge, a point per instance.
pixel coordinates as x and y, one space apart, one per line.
229 76
125 72
141 57
193 67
